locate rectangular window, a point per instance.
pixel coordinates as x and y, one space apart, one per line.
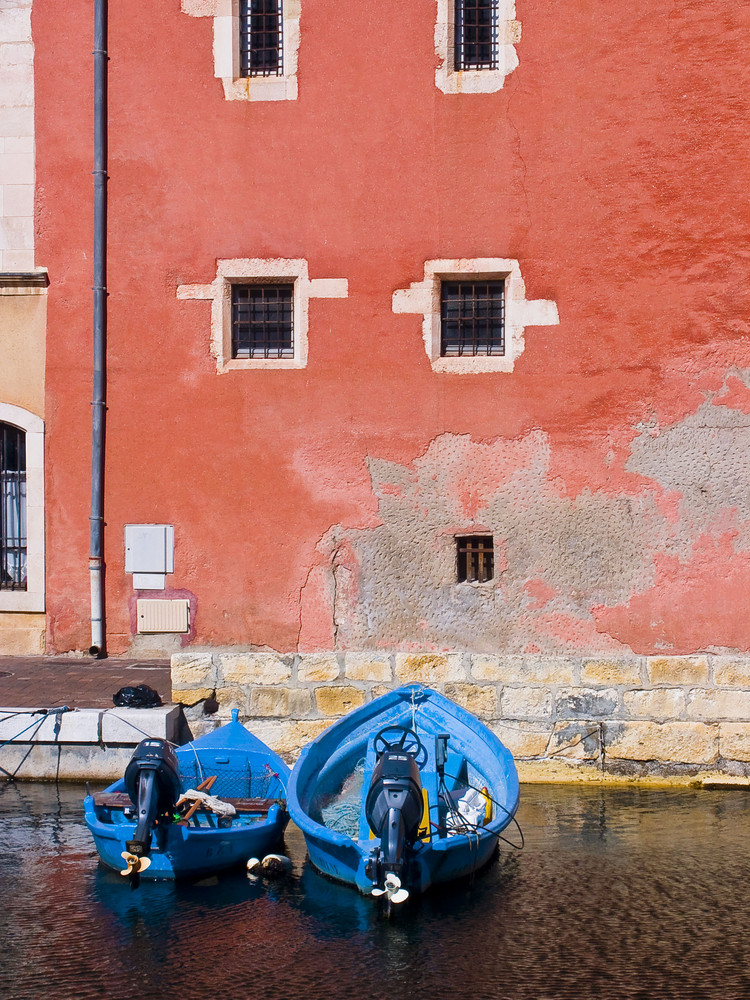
12 508
261 38
476 43
263 321
472 318
475 558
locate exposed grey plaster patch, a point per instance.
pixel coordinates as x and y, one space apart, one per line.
704 459
594 549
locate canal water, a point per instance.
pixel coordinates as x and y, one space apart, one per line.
622 894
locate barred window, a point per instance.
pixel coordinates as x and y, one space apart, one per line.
263 321
476 42
12 508
475 558
472 318
261 38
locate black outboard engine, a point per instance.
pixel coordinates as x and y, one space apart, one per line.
394 804
153 783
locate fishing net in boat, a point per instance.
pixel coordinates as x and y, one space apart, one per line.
231 783
340 810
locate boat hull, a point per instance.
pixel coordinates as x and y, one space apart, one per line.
435 858
243 766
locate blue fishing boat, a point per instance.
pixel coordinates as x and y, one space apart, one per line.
405 792
208 805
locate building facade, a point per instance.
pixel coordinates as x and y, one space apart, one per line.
427 329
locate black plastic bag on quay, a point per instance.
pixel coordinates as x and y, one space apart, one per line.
140 696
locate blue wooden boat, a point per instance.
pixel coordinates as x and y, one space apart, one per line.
405 792
144 825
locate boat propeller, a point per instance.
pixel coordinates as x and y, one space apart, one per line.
272 866
135 863
392 891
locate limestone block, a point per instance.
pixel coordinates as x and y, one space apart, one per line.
587 703
526 703
576 740
734 740
429 668
193 670
732 671
524 669
712 704
191 696
608 672
338 700
300 702
379 689
255 668
523 739
22 640
288 738
655 704
269 701
677 669
232 697
673 742
480 699
318 668
367 667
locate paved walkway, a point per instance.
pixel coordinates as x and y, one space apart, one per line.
51 681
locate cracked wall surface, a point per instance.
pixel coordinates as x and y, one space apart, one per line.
660 566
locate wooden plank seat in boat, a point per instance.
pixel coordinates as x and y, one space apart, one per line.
121 800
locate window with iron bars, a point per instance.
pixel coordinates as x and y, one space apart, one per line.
476 41
472 318
263 321
12 508
261 38
475 558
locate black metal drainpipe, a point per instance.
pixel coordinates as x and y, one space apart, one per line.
99 400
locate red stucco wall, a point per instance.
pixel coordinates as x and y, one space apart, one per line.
611 165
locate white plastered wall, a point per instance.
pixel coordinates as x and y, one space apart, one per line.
254 269
226 48
424 297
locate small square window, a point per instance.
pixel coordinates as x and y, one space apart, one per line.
476 42
475 558
263 321
472 318
261 38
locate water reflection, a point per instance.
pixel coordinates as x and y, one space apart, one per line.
624 894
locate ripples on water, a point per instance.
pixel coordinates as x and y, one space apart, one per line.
618 894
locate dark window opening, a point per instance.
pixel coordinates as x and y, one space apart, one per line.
475 558
263 321
476 44
472 318
12 508
261 38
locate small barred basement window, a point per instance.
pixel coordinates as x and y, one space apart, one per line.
263 321
476 42
475 558
472 318
12 508
261 38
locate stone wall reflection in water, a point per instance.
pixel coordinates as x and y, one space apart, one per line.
619 894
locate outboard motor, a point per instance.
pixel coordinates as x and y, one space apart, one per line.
394 803
153 783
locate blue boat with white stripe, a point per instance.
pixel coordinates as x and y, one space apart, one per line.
408 791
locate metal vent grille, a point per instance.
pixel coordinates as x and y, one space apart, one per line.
163 616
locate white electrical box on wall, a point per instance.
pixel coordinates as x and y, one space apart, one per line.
163 616
149 554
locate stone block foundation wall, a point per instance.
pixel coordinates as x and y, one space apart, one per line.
676 718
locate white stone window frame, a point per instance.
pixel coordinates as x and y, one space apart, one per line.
226 50
31 599
474 81
424 297
257 270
